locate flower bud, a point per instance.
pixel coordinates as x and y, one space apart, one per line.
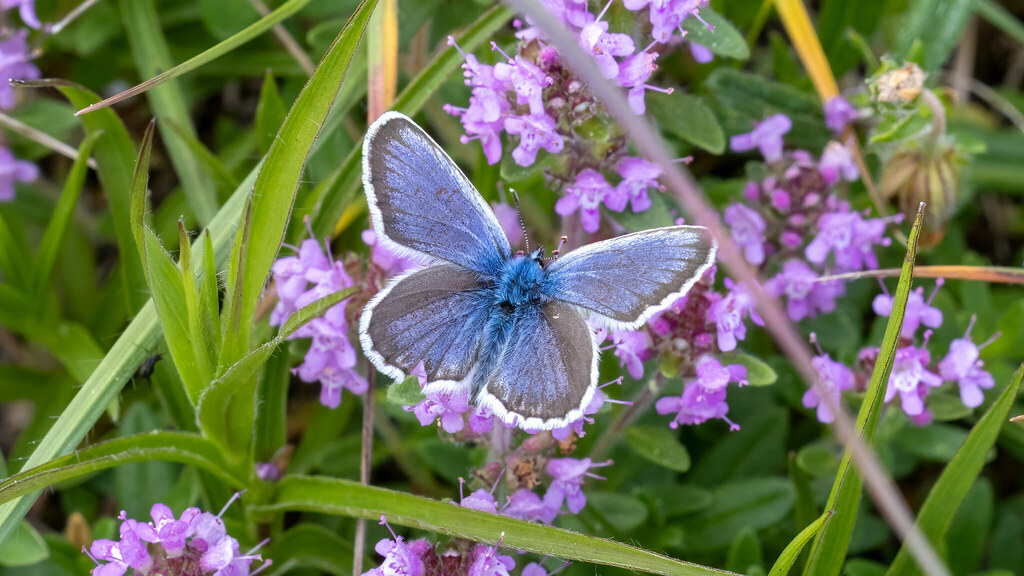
929 173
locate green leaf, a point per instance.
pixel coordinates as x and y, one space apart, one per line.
968 534
936 442
311 546
660 446
25 547
328 202
227 406
179 447
53 237
817 460
759 373
945 496
830 546
620 512
270 113
936 26
348 498
673 500
152 56
274 192
688 117
724 40
406 393
792 551
753 504
744 552
115 156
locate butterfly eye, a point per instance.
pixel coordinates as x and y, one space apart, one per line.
507 307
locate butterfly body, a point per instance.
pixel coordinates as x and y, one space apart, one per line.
505 328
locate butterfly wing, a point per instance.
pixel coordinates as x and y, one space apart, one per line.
627 279
433 315
419 200
547 372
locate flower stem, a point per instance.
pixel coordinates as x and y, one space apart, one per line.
359 542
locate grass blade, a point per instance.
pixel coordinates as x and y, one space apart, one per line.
792 551
274 192
180 447
222 48
829 550
348 498
949 491
54 234
151 54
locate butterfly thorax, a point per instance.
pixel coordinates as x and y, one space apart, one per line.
519 283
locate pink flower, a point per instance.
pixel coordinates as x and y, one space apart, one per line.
587 195
535 131
766 137
637 176
910 379
833 379
747 228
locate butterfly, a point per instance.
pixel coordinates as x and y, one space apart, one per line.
508 327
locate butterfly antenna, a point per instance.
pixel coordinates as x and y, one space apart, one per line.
558 250
522 224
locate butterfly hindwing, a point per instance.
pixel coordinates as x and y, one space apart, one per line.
420 200
434 315
627 279
547 372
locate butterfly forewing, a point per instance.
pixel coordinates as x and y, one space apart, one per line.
421 201
548 370
627 279
433 315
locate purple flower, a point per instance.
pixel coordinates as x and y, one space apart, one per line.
712 376
400 559
586 195
390 261
595 404
911 379
481 420
508 219
805 297
696 406
747 228
480 500
535 131
633 348
195 539
489 563
962 365
26 9
634 73
850 238
839 113
833 379
637 176
605 46
13 170
567 486
918 310
667 15
16 57
526 505
766 137
331 358
701 54
837 161
526 79
484 119
727 312
448 405
571 13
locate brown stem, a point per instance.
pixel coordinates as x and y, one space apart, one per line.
359 542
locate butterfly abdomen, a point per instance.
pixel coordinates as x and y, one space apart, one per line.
517 287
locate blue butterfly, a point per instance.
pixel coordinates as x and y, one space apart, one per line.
508 327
